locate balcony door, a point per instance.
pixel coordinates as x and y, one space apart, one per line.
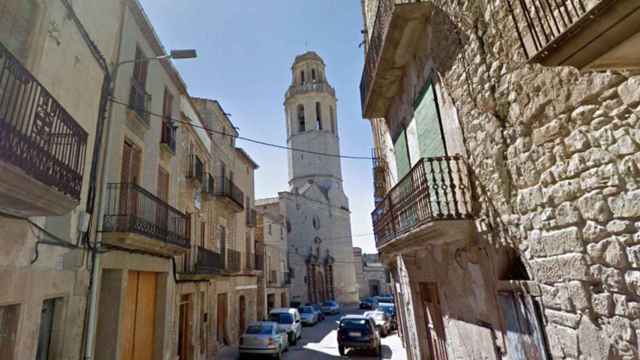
162 212
129 178
184 330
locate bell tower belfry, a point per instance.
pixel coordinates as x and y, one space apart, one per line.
310 106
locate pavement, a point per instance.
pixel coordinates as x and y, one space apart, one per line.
319 342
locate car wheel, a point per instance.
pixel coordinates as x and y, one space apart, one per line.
278 355
341 350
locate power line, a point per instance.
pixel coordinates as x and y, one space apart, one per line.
259 142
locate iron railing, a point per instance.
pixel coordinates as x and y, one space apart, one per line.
168 135
252 217
195 170
374 47
379 174
224 187
140 100
233 260
436 188
208 261
36 133
311 87
540 23
132 209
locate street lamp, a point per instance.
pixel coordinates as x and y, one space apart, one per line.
178 54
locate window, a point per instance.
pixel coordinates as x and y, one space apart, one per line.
316 222
17 24
48 340
9 319
138 96
203 233
301 121
333 119
318 116
313 75
302 77
269 229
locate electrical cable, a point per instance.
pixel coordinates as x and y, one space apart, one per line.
259 142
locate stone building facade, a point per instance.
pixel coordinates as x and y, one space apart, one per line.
271 238
316 207
509 211
373 276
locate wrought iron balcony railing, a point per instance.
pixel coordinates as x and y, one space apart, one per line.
380 172
224 187
37 134
252 217
168 136
540 23
208 262
435 189
140 100
233 260
132 209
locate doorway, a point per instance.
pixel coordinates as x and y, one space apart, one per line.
271 302
46 345
222 320
433 321
139 316
184 330
242 316
283 300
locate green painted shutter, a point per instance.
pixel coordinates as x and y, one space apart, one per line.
428 125
402 155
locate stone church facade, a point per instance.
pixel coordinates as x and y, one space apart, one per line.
321 265
508 158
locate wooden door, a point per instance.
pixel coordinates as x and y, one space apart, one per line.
242 321
184 331
138 327
222 318
525 339
433 321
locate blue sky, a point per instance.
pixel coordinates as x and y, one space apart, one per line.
245 52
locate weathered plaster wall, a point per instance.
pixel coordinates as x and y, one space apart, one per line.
555 155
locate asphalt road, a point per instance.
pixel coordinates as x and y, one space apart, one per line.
319 342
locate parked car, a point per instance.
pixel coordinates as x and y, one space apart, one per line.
382 321
358 332
384 299
368 303
318 310
330 307
289 320
263 338
308 315
390 310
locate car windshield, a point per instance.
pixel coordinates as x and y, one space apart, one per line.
353 324
386 300
388 309
281 318
306 310
328 303
259 329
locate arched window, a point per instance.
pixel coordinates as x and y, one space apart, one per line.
313 75
318 116
301 125
333 119
302 77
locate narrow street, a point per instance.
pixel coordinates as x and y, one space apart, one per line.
319 342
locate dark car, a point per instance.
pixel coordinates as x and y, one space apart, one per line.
358 332
368 303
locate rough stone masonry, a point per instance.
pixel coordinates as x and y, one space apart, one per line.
555 155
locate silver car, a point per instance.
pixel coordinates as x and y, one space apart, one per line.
263 338
308 315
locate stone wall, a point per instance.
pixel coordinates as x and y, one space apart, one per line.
555 157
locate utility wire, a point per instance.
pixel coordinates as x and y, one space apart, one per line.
259 142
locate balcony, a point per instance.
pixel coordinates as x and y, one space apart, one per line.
233 261
200 263
139 102
390 47
380 172
136 219
317 87
427 204
586 34
225 190
252 218
168 137
42 148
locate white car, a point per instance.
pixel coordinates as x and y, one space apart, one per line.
288 319
264 338
382 321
